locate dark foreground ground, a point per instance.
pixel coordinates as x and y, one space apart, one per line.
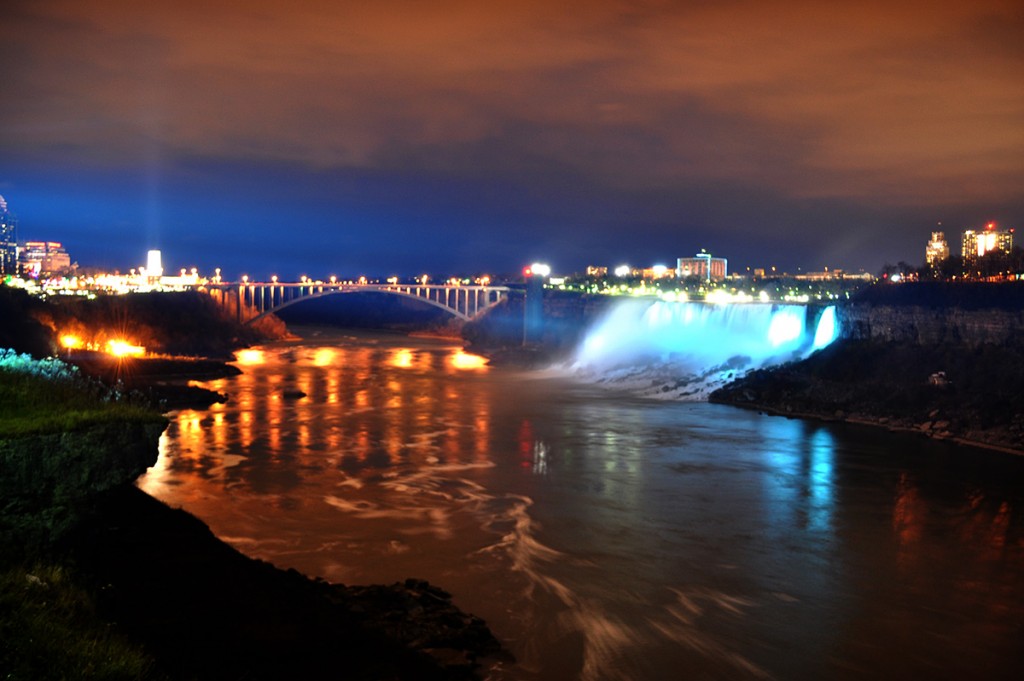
204 611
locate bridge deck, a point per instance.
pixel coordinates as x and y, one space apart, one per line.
252 300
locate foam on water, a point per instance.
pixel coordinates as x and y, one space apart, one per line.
685 350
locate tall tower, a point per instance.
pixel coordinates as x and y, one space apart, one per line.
8 241
937 250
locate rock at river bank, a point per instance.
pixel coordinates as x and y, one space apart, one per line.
890 384
205 611
164 381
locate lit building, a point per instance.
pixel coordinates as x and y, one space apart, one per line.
8 241
702 265
656 272
977 244
593 271
154 268
937 250
43 258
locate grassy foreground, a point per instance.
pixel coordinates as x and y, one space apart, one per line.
49 627
47 396
50 630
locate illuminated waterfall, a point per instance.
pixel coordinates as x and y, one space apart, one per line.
685 350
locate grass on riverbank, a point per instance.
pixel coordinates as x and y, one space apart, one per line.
50 630
46 396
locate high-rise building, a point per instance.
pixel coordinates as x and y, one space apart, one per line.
43 258
8 241
937 249
702 265
978 243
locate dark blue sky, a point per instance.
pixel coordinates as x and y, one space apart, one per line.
391 138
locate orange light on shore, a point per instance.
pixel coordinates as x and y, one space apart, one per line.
465 360
122 348
71 341
249 357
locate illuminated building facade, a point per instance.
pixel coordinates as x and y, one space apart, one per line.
43 258
8 241
937 249
154 268
978 243
702 265
656 272
593 271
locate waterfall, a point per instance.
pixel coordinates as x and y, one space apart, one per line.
686 350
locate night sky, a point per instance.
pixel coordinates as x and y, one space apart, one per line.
401 137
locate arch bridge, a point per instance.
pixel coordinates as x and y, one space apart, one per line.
250 301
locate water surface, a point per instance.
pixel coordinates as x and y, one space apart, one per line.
609 537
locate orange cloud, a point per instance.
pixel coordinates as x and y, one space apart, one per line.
898 102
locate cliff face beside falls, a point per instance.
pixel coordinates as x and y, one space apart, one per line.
927 325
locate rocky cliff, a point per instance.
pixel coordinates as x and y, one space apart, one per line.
46 478
922 325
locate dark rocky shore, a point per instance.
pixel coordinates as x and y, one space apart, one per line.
205 611
889 385
943 360
164 381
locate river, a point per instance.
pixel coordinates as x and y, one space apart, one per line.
606 536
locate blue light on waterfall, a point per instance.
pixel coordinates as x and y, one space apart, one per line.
684 350
827 328
786 325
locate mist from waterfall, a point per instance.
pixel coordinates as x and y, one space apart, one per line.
679 350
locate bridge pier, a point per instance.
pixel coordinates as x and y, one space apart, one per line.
533 310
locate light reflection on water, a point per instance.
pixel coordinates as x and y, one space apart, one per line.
606 537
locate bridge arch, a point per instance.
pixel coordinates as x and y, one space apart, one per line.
252 301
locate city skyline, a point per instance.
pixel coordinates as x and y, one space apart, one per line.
337 137
936 250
